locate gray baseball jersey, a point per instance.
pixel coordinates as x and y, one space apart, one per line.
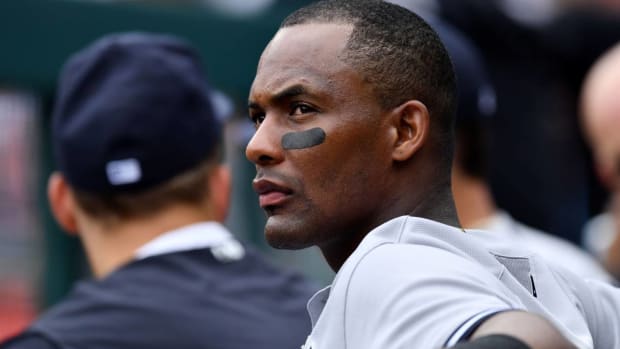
417 283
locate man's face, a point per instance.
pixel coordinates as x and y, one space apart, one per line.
318 148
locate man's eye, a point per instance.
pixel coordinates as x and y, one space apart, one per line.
257 119
299 109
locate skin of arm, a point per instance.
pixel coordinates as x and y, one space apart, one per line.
533 330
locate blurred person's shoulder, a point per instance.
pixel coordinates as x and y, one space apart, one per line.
28 340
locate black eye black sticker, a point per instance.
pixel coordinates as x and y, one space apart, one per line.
303 139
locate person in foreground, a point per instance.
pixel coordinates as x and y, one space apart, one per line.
140 181
353 103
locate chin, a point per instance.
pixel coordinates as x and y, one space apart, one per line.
287 236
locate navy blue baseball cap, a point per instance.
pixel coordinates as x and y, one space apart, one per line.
132 110
476 95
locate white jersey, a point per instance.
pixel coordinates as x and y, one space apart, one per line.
417 283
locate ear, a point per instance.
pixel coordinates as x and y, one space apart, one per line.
219 191
62 203
411 123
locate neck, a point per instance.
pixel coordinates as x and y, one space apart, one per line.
438 204
473 199
435 203
110 246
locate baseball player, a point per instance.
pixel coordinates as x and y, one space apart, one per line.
139 180
353 104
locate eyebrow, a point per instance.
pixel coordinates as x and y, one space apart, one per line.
287 93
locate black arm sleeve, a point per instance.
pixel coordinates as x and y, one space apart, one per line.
29 341
496 341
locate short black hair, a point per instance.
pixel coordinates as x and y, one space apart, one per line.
397 52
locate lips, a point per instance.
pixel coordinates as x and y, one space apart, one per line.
270 193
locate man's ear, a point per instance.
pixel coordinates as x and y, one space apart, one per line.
219 191
411 123
62 203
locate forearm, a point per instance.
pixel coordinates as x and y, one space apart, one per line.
493 342
532 330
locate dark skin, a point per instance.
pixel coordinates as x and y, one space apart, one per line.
373 164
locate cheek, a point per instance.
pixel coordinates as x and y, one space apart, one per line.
334 161
336 171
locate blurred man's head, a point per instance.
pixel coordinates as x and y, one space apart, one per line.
350 100
476 103
475 110
600 109
134 131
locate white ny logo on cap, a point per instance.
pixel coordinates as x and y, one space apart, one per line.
125 171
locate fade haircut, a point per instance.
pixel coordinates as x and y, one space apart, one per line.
398 53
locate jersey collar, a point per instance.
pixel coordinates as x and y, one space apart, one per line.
190 237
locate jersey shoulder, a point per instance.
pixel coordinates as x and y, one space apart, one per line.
29 340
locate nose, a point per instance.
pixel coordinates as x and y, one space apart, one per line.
264 148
